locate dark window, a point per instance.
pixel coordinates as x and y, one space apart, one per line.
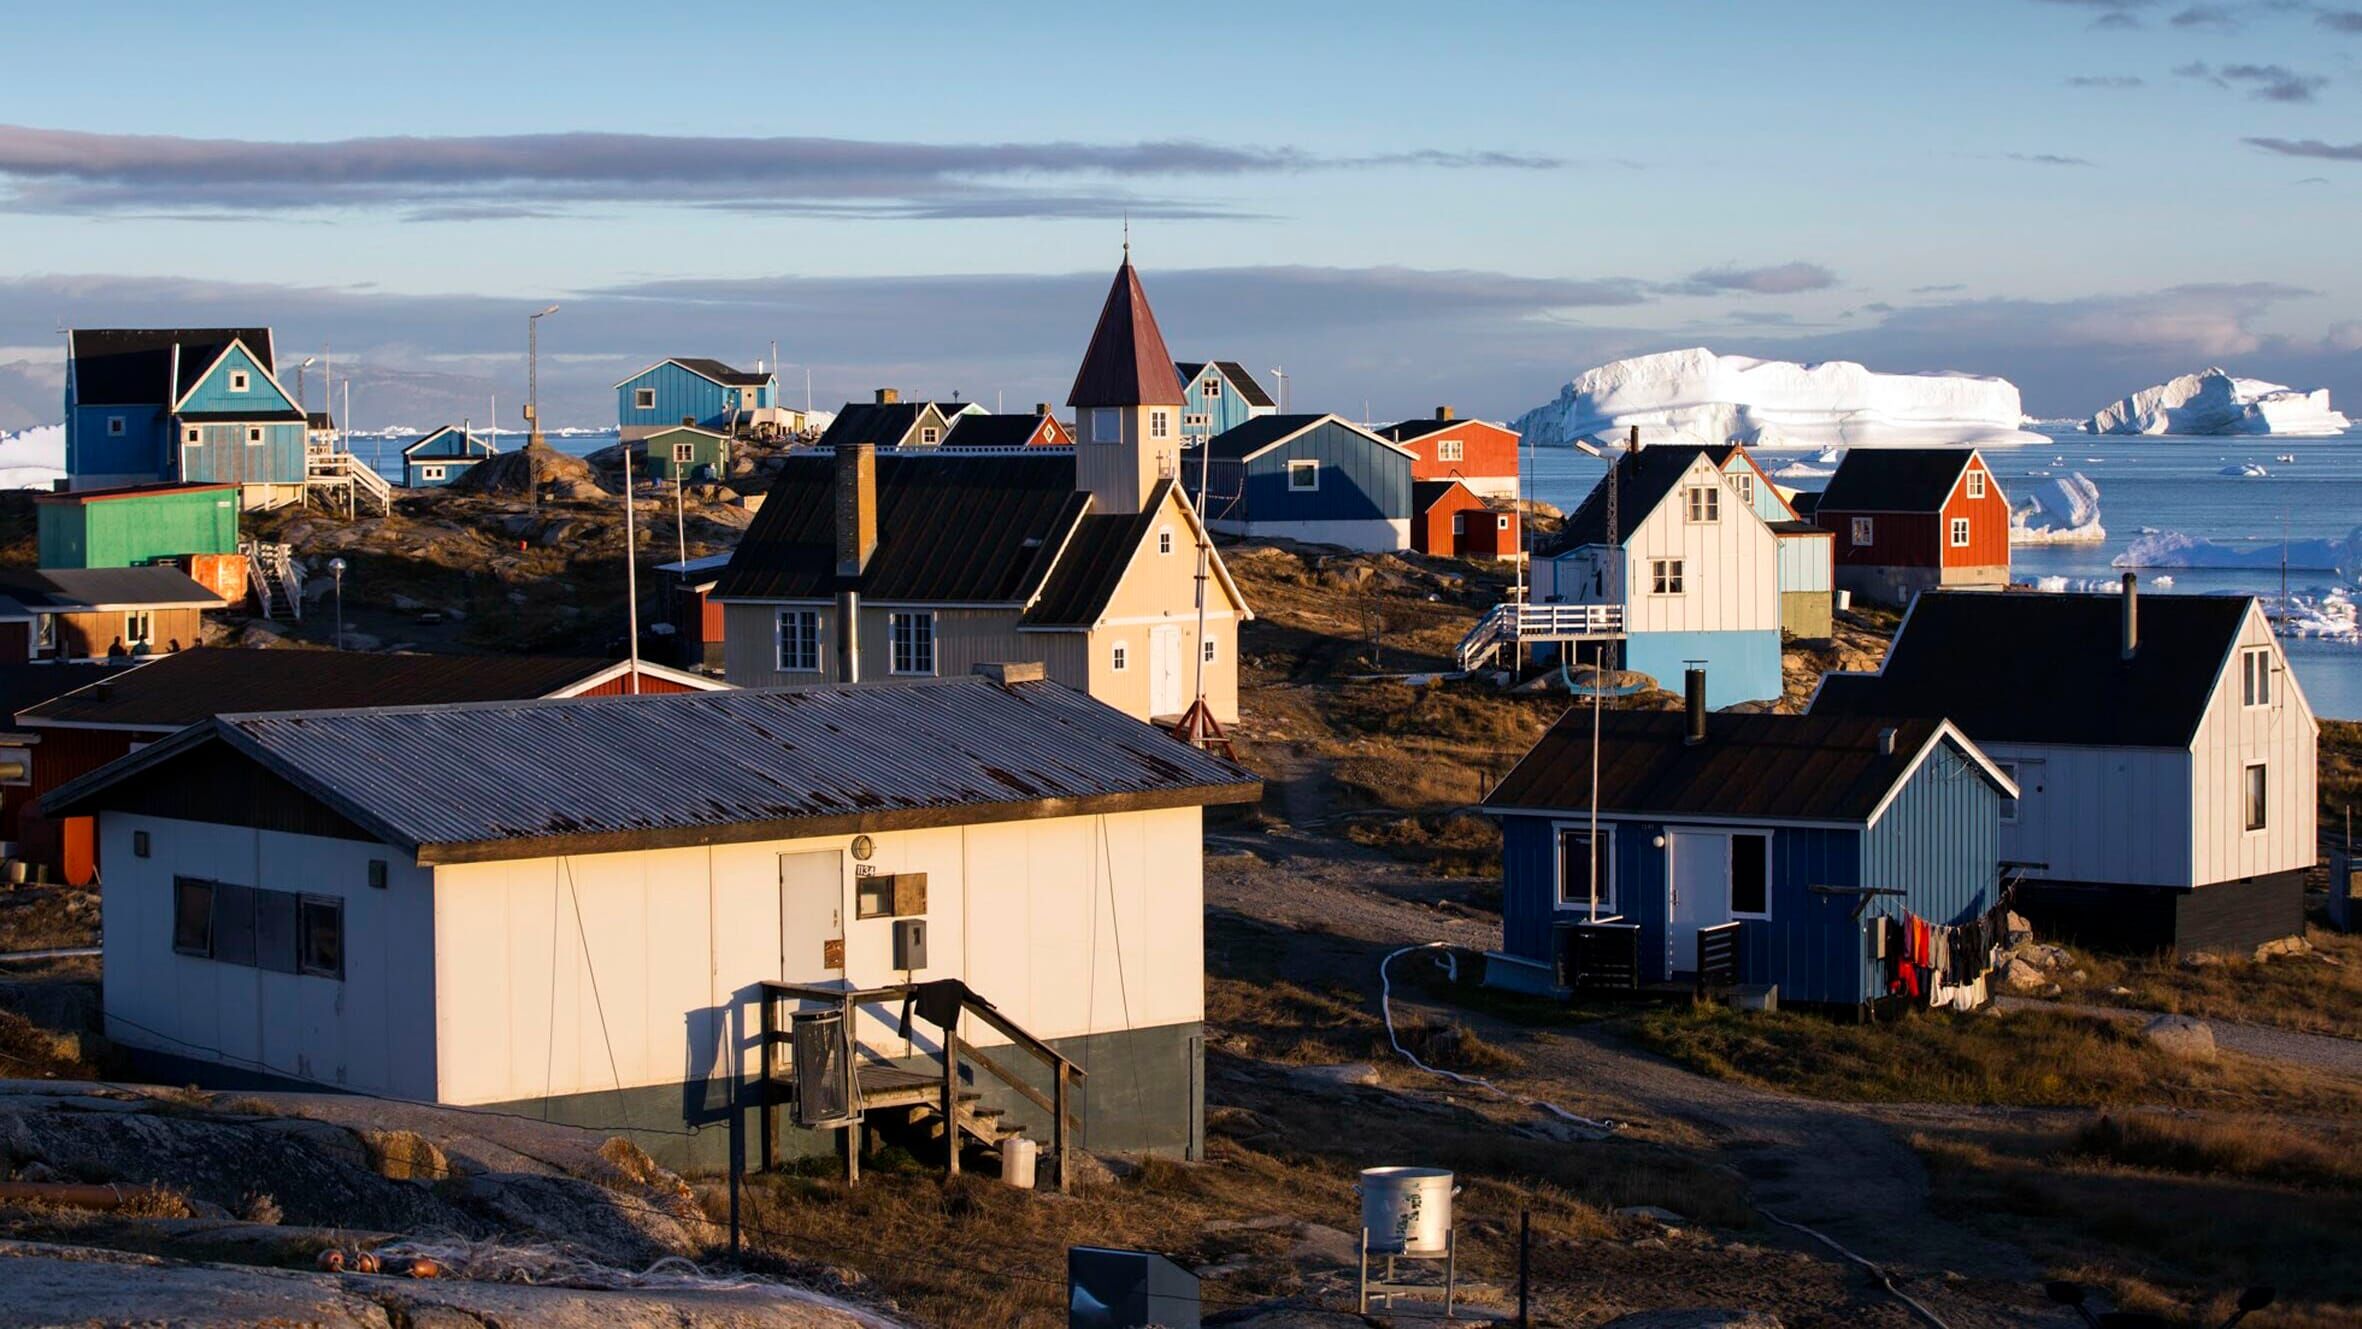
139 839
192 916
377 872
233 923
274 931
1750 874
1574 869
320 923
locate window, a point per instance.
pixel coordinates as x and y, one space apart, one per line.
684 453
1459 523
930 436
1745 480
192 916
1205 650
1864 532
643 399
238 380
2255 676
319 930
377 874
1960 532
1164 542
1212 388
1705 504
139 626
1664 576
1450 449
1122 658
912 637
1501 522
2258 800
254 433
2009 806
430 472
1750 876
114 426
1576 861
276 946
233 924
1107 425
1160 423
1303 475
799 641
1976 484
195 437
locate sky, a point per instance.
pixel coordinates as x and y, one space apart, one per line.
1402 205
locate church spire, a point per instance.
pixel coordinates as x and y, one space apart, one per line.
1126 363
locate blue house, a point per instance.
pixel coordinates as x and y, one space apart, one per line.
442 456
1320 479
182 406
705 393
1222 394
1808 845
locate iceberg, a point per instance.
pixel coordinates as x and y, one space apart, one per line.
2246 470
1797 470
2330 615
2064 509
2177 549
33 458
2213 401
1776 404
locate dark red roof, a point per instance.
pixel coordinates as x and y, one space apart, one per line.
1127 363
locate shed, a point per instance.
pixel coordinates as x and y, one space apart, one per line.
136 524
1320 479
1453 521
443 456
685 453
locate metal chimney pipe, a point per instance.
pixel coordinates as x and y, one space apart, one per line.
1693 697
2132 615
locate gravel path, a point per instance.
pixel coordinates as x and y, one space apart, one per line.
2320 1052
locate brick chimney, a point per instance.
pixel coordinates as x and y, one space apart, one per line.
1041 408
857 508
889 396
1443 412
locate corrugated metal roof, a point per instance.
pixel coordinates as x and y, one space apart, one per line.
1126 363
527 779
1094 563
55 589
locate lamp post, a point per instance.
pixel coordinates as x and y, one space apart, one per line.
303 402
533 442
336 570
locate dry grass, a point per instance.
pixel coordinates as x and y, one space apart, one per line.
2023 1059
2341 774
30 1052
2303 992
2246 1149
38 918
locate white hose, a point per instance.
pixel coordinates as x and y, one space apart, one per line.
1386 1008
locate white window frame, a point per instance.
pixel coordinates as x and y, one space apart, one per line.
1303 468
643 399
139 625
1160 422
1666 576
930 435
240 381
431 472
2255 676
117 426
1731 855
1744 481
684 453
2255 797
1164 540
1212 388
1450 449
2009 806
808 620
1976 484
1960 532
254 436
196 437
1865 532
1575 896
1501 521
1704 504
920 626
1119 657
1107 424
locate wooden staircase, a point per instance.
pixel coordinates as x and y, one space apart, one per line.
273 578
343 482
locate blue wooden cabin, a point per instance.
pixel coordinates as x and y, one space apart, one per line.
443 456
1223 393
1320 479
1804 831
690 390
182 406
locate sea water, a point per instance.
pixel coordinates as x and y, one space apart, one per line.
2159 483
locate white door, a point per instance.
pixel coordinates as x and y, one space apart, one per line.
1164 671
812 916
1697 893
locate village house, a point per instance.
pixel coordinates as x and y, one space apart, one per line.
438 458
1478 454
683 453
1807 555
1038 429
706 393
1906 520
890 422
74 731
2166 756
1086 561
1692 569
1320 479
696 620
100 613
182 406
522 907
1218 395
1450 520
1782 851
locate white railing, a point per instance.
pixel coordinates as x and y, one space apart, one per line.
274 577
1508 624
328 466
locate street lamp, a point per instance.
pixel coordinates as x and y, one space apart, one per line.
302 401
533 443
336 570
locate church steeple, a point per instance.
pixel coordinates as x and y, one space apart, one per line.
1127 399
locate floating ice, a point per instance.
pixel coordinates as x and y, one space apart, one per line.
1797 470
2330 615
2176 549
2212 401
2244 469
2061 510
33 458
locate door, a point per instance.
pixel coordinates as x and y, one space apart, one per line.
1164 671
1697 889
2025 834
812 917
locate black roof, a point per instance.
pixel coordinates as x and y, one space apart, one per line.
23 686
319 420
55 590
1252 436
1757 767
133 366
1426 494
177 690
1240 379
1642 479
519 779
721 373
1894 479
1093 564
869 422
991 431
2031 667
281 415
954 529
1806 502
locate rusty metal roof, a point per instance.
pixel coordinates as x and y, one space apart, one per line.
503 780
1126 363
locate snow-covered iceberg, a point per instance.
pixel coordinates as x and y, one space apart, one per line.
2175 549
33 458
1774 404
2213 401
2064 509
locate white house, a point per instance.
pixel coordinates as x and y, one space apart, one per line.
2165 754
566 908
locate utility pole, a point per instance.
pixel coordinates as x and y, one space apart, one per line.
1281 376
631 574
533 440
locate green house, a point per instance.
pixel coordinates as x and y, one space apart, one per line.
686 452
136 525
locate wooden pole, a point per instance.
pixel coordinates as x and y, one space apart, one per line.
770 1111
1525 1241
951 1102
1059 1134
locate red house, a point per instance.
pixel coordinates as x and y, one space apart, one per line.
1448 519
1037 430
1479 455
1906 520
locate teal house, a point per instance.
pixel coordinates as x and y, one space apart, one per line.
443 456
701 392
182 406
685 452
1221 394
1808 553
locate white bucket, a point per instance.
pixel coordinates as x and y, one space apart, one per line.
1845 601
1019 1157
1407 1210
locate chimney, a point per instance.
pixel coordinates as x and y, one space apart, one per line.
1011 672
1886 741
1632 443
857 507
1443 412
688 419
1041 408
889 396
2132 615
1693 698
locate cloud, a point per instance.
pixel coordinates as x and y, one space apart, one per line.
2050 159
1777 279
2270 83
2314 180
2105 81
2310 147
2220 17
2109 14
1945 289
2339 20
475 178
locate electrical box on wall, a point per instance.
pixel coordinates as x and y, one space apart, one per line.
910 943
897 895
